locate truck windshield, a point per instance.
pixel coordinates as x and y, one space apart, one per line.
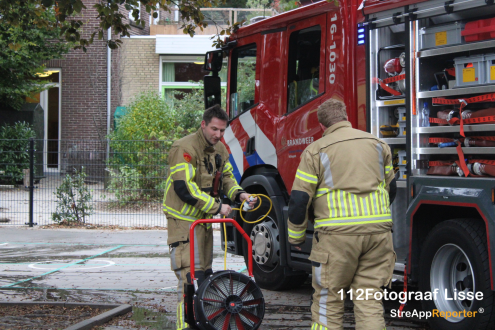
242 80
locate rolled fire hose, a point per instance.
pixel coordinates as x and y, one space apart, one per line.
449 114
466 114
483 169
443 170
469 142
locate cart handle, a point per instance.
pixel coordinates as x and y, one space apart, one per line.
232 221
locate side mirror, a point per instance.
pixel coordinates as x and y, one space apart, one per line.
213 61
212 90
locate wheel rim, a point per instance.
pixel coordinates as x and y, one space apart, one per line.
451 273
266 244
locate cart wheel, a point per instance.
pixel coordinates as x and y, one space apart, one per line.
228 300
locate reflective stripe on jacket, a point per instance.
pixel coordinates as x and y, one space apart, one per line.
345 176
188 186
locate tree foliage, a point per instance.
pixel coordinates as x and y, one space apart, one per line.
28 38
109 14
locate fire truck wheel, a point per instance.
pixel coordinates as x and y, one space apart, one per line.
268 272
454 266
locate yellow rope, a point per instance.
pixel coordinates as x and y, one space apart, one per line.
225 241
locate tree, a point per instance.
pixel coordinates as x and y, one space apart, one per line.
109 15
28 38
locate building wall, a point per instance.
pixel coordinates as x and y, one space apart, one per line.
84 81
138 67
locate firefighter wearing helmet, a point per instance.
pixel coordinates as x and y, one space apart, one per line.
348 179
200 174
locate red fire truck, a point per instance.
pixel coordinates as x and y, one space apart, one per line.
419 74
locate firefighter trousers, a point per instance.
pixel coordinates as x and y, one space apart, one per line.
180 260
356 265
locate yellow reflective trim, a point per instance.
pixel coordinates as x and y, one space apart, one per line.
351 209
227 168
306 180
340 203
297 234
370 205
330 208
334 204
177 167
307 174
177 214
362 206
232 190
360 217
321 192
382 200
353 223
209 201
181 318
306 177
385 199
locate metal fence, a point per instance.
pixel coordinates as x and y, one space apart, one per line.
110 183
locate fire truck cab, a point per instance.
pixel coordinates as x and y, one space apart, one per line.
406 70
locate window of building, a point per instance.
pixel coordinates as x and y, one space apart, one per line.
138 7
304 67
183 74
243 80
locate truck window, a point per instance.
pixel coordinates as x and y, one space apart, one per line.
242 81
304 66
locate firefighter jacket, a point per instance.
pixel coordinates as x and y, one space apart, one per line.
192 167
345 176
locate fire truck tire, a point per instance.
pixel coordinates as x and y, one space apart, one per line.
268 272
455 257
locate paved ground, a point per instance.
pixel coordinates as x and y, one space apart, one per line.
129 266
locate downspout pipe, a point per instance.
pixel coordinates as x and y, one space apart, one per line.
109 88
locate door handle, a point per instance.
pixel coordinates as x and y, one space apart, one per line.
250 147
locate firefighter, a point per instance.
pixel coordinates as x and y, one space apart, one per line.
200 173
347 179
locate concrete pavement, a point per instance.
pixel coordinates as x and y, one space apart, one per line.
128 266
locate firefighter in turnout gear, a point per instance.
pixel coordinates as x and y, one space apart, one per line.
199 174
348 179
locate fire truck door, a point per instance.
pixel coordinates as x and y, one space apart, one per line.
248 144
305 46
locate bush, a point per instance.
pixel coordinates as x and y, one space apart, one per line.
73 198
125 184
140 145
14 146
189 109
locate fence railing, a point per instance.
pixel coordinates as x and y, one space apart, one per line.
111 183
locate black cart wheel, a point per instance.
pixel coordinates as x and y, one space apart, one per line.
229 301
454 262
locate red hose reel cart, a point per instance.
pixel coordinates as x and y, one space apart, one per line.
226 300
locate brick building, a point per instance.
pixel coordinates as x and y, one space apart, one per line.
79 105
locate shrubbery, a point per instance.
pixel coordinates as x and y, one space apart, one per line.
140 145
73 200
14 146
